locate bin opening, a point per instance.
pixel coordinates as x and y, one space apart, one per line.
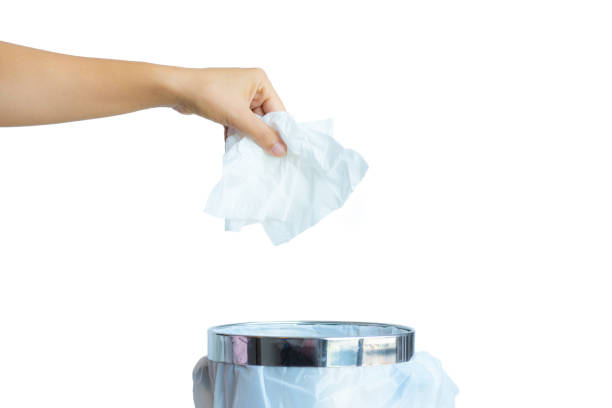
318 364
312 329
311 344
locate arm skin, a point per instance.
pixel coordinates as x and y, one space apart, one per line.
39 87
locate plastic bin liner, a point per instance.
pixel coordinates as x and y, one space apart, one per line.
418 383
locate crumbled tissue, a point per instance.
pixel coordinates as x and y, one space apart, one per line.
290 194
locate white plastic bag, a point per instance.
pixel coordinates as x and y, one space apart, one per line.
419 383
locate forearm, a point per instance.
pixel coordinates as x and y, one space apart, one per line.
38 87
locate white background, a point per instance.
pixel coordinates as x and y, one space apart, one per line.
484 221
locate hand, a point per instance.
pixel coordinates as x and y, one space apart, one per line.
38 87
231 97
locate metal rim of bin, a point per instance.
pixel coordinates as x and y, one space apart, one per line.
281 351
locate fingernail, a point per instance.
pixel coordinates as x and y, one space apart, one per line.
278 149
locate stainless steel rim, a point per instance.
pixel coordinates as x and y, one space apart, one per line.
288 351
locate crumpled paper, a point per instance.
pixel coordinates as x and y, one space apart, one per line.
290 194
419 383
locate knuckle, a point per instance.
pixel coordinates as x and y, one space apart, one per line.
270 140
265 139
269 144
259 72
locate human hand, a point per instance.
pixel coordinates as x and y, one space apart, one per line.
231 97
39 87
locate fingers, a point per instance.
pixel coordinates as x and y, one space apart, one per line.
262 134
266 99
272 102
259 111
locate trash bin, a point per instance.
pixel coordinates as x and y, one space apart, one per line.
318 365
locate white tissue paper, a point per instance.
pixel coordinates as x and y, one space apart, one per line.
290 194
419 383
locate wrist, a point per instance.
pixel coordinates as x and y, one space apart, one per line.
166 82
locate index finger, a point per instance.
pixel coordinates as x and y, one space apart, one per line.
272 102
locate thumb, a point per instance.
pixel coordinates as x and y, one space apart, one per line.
262 134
